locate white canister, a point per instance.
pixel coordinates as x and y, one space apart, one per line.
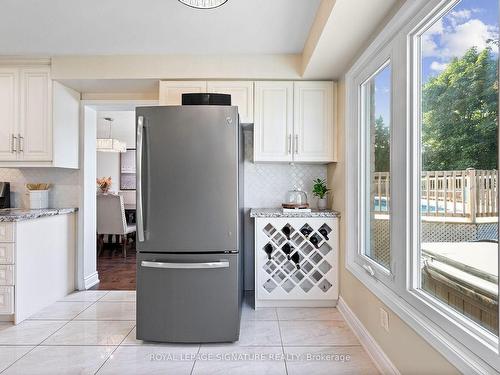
38 199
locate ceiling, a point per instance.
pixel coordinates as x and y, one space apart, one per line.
134 27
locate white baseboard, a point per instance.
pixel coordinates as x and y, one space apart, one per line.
373 349
91 280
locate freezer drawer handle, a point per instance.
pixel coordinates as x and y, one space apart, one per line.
221 264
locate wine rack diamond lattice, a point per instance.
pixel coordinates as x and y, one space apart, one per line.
296 258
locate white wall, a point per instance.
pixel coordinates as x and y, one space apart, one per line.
87 262
108 165
123 129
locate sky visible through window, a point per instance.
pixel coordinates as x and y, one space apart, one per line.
470 23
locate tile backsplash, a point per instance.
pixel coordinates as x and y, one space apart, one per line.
266 185
64 191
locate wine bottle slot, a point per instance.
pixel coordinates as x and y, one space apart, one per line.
287 249
306 232
324 233
314 241
286 231
296 259
269 250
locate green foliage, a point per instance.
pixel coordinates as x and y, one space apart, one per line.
382 146
319 188
459 106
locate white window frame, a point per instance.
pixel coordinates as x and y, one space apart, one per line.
371 266
464 343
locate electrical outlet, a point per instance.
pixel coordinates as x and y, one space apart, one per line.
384 319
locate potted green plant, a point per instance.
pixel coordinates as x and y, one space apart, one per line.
320 191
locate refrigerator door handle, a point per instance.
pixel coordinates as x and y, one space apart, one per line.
191 266
140 218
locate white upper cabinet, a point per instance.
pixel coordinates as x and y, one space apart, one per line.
35 130
294 122
241 96
9 110
28 135
171 91
273 127
313 121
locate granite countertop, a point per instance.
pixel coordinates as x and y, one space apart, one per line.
278 212
20 214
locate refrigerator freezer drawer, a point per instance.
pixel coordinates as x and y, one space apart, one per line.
188 297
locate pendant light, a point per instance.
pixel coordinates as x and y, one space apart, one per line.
109 144
203 4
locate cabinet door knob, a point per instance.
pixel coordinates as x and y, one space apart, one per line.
296 143
289 143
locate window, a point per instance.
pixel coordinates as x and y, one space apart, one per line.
458 215
376 102
422 205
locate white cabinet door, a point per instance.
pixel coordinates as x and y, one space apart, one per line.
6 253
9 109
273 121
171 91
35 130
241 96
6 299
314 122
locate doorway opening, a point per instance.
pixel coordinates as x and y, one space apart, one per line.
107 258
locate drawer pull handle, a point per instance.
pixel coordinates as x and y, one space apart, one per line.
178 266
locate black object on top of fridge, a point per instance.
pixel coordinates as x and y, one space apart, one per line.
206 99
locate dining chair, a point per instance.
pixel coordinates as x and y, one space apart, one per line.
111 220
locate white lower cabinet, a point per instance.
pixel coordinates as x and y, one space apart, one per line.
7 232
6 253
37 264
6 275
6 300
296 262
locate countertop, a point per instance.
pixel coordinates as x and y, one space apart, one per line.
278 212
20 214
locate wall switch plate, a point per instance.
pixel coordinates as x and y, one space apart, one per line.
384 319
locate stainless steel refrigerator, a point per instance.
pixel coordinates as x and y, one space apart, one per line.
189 223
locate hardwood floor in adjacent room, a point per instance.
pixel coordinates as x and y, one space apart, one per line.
115 272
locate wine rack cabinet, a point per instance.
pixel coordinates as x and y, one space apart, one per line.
296 262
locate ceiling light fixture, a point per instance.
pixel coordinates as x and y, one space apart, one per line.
109 144
203 4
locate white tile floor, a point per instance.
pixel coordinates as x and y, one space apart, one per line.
93 332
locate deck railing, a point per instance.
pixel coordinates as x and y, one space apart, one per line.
467 193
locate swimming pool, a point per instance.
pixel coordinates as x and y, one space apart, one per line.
380 205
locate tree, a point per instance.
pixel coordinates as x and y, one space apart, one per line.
382 146
459 106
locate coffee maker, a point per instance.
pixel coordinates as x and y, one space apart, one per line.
4 195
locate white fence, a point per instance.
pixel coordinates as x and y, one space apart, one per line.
470 193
